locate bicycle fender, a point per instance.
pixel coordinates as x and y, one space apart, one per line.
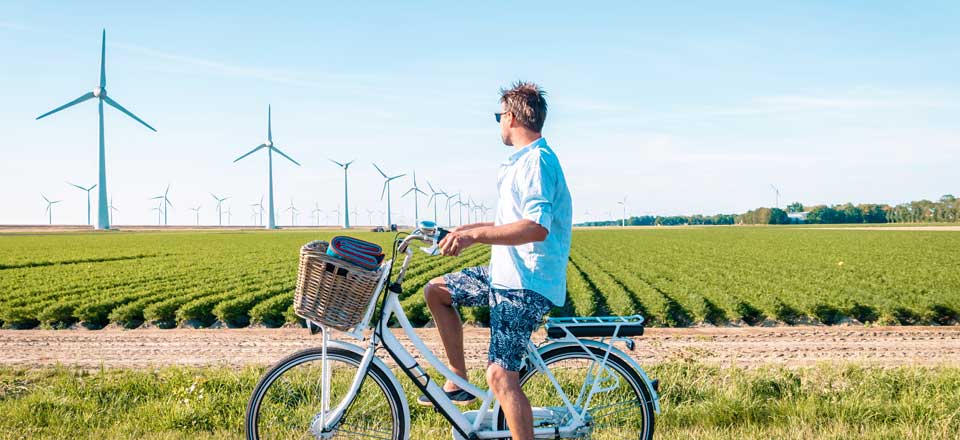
393 378
616 352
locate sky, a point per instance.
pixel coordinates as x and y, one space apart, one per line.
692 108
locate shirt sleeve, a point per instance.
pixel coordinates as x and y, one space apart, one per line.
535 184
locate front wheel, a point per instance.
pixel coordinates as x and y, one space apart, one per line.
288 397
622 412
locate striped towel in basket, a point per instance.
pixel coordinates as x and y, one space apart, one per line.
362 253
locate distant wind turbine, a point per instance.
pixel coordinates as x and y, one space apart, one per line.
270 149
260 206
229 215
370 216
623 222
433 199
416 204
86 190
197 211
100 92
219 208
317 211
449 215
346 198
386 190
164 203
112 209
49 210
159 213
293 213
777 192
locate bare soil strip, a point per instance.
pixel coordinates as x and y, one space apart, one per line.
788 346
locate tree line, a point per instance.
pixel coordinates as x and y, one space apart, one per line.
946 209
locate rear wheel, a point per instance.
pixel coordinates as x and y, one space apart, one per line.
625 412
288 397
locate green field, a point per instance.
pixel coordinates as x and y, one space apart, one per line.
832 401
675 277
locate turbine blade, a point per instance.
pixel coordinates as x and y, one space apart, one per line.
103 60
92 187
348 163
398 176
45 198
420 191
284 155
254 150
85 97
215 197
384 190
381 171
117 106
269 124
75 185
408 192
338 163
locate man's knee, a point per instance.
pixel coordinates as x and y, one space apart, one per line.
436 293
501 379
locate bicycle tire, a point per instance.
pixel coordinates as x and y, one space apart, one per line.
399 430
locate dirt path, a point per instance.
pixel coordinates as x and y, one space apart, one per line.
794 346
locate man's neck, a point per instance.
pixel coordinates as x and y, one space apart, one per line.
525 138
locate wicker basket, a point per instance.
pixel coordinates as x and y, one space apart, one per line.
331 291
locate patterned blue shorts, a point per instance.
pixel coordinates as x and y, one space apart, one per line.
514 313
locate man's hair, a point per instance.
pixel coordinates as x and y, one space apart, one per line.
526 102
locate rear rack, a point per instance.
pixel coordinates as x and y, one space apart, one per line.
594 326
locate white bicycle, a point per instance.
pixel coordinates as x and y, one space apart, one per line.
579 387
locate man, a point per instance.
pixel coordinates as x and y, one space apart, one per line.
528 266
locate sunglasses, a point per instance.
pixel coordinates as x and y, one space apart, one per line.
497 116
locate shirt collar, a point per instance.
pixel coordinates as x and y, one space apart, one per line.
539 143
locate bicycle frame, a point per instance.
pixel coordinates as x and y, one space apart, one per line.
327 420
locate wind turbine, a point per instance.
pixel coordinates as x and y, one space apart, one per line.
386 189
777 192
370 216
293 213
449 215
219 210
469 206
112 209
433 195
49 210
164 203
197 211
100 92
258 205
416 204
229 215
317 211
270 149
485 210
346 199
87 190
623 222
159 213
460 209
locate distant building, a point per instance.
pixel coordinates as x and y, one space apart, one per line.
798 217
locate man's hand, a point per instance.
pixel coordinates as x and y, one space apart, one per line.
456 242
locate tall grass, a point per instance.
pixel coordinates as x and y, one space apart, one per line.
699 402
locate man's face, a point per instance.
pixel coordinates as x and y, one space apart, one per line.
505 120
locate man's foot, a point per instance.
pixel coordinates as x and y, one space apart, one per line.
459 397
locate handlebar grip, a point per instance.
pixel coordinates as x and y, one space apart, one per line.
442 233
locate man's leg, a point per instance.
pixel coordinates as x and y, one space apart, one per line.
516 407
448 325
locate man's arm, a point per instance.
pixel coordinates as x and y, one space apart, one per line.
522 231
471 226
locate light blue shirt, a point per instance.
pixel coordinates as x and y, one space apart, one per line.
531 186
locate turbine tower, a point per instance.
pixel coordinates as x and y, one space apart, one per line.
219 210
164 203
197 211
416 204
87 190
433 196
317 211
229 215
112 209
386 190
49 210
449 214
623 222
260 206
346 199
270 149
293 213
100 92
